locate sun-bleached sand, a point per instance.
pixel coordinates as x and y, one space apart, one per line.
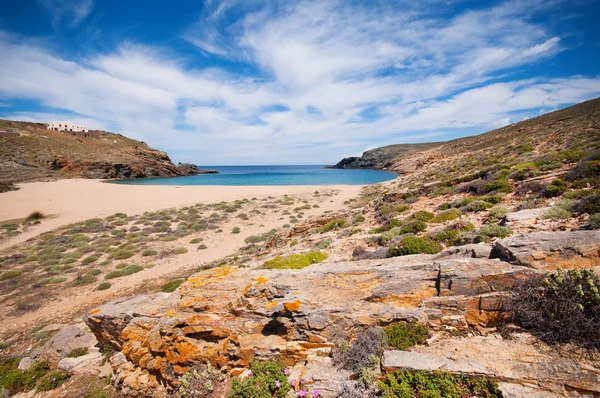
70 201
75 200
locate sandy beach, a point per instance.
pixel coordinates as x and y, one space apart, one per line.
74 200
71 201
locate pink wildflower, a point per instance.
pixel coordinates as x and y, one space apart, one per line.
302 393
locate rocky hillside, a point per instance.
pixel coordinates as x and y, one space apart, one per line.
381 158
28 151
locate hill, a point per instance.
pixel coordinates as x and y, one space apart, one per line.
28 151
380 158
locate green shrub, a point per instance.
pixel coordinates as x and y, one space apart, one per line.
447 215
13 273
444 206
411 244
77 352
13 380
295 261
202 247
149 252
494 231
556 188
476 206
90 259
235 230
500 185
387 236
180 250
561 307
422 215
131 269
262 382
195 241
171 286
52 380
103 286
437 384
358 219
335 224
556 213
122 254
114 274
255 239
594 221
53 280
405 335
496 214
402 208
413 227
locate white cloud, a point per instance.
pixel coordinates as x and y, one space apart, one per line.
419 76
73 11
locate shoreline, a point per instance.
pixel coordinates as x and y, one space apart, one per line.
73 200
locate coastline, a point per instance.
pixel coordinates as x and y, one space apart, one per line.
73 200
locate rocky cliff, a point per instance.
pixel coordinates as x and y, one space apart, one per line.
381 158
28 151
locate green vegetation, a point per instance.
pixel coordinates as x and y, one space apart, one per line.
413 227
124 271
404 384
122 254
149 252
104 286
236 230
13 380
494 231
195 241
422 215
496 214
77 352
405 335
556 188
267 380
561 307
202 247
180 250
446 215
556 213
335 224
295 261
13 273
411 244
51 380
171 286
594 221
358 219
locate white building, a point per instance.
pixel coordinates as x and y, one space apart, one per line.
66 126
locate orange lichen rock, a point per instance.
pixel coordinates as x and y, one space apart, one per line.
293 306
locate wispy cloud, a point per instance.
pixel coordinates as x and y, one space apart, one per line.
329 78
72 12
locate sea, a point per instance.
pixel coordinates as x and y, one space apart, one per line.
271 175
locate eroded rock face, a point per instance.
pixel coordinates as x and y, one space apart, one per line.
549 250
227 316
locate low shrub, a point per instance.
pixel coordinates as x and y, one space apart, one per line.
13 380
561 307
494 231
35 215
266 380
13 273
149 252
589 204
122 254
335 224
386 237
180 250
413 227
202 247
131 269
447 215
404 384
195 241
104 286
555 188
77 352
358 219
496 214
52 380
411 244
295 261
361 353
236 230
422 215
171 286
405 335
556 213
200 382
594 221
476 206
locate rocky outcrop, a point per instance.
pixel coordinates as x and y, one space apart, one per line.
227 316
549 250
381 158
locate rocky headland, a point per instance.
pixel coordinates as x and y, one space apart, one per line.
30 152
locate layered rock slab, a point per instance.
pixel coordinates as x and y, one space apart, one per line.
227 316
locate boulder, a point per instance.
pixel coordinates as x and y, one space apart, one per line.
84 364
25 363
549 250
523 217
475 250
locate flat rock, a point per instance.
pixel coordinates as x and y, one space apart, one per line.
84 364
511 390
527 216
549 250
413 361
476 250
25 363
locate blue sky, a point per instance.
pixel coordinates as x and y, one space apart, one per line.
294 82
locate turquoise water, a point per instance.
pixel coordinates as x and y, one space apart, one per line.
271 175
